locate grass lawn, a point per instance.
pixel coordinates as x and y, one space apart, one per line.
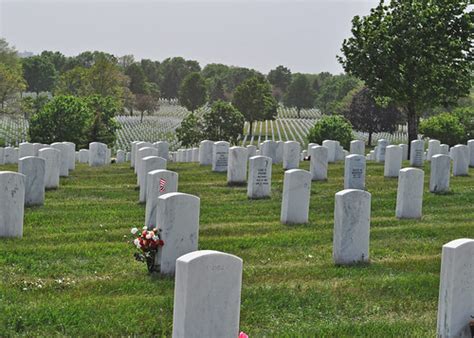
73 272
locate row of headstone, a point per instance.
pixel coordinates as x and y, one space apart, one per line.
162 148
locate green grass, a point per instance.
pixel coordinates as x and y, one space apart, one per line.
73 272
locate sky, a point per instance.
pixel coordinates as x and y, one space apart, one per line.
304 36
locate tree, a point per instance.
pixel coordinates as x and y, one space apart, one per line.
217 91
8 55
253 98
189 133
39 73
105 78
332 90
331 127
300 94
64 118
11 83
173 71
103 126
74 82
193 92
137 78
222 123
280 78
417 53
367 115
60 62
151 70
32 105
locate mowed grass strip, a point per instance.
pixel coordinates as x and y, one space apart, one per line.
73 272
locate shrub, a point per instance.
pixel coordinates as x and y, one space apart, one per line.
466 117
445 127
103 125
331 127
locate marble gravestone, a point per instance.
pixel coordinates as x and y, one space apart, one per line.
404 151
279 152
410 193
163 149
71 155
141 154
456 290
357 147
148 164
133 149
120 157
444 149
393 161
331 146
440 172
237 166
268 149
416 153
319 163
177 217
2 161
205 152
207 295
34 170
460 160
354 172
470 145
26 149
84 156
12 204
139 146
52 159
296 194
259 184
291 155
251 151
382 145
97 154
10 155
63 158
433 148
351 227
195 155
189 155
220 156
159 182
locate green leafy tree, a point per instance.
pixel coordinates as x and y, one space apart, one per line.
331 127
105 78
300 94
74 82
445 127
64 118
11 84
172 73
217 91
253 98
39 73
280 78
223 123
193 92
365 114
60 62
190 133
417 53
103 126
137 77
32 105
151 70
332 90
8 55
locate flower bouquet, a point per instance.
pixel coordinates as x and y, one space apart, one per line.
148 243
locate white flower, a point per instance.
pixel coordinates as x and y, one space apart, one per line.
155 238
137 243
148 236
145 227
134 231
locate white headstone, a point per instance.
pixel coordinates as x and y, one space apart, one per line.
416 153
12 204
128 156
279 151
460 160
196 155
237 169
456 289
71 155
470 145
319 163
120 158
37 147
189 155
2 161
410 193
357 147
97 154
260 177
148 164
159 182
433 148
207 295
440 172
354 172
291 155
351 227
311 145
339 152
296 194
220 156
133 149
404 151
141 154
381 148
63 158
393 161
331 146
52 159
84 156
177 217
251 151
444 149
34 170
163 149
268 148
139 146
205 152
26 149
10 155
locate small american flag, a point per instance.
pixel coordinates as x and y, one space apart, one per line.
162 184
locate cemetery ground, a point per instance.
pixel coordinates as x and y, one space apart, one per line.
73 272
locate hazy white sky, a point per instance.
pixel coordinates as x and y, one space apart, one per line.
305 36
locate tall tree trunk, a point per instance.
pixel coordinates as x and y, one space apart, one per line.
141 116
299 112
370 139
412 125
251 129
131 111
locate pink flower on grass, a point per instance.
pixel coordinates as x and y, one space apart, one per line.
243 335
